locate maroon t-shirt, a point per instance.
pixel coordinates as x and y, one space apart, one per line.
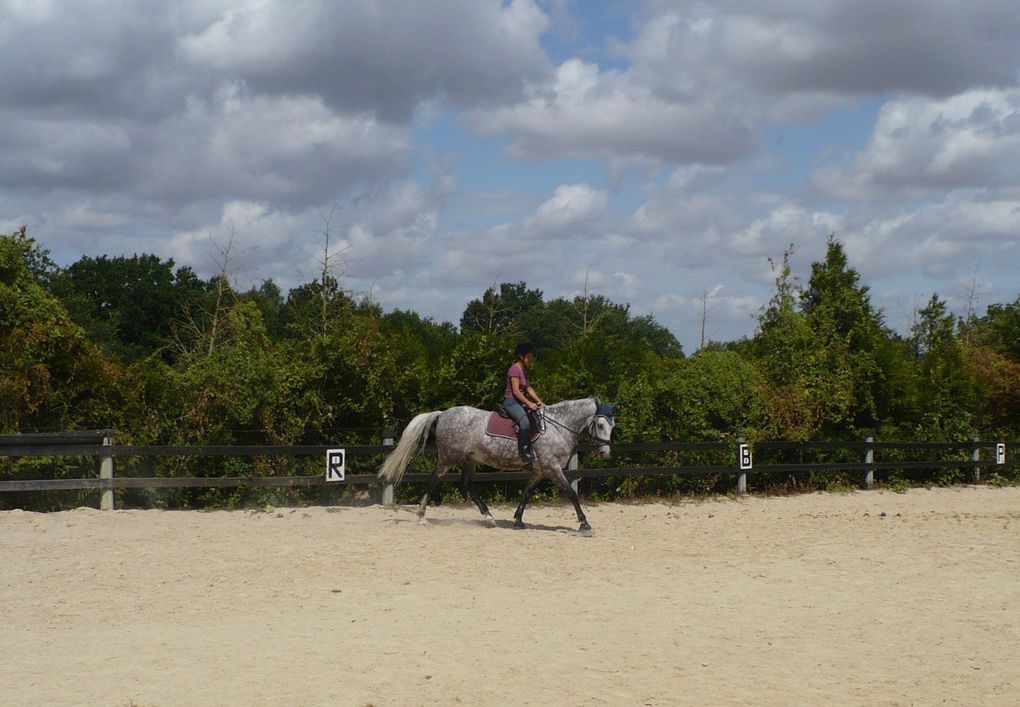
515 371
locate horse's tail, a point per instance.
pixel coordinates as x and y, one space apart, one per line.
415 436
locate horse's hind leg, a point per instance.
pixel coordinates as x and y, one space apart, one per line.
467 476
430 489
561 480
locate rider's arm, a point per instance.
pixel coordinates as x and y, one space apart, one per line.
533 394
515 385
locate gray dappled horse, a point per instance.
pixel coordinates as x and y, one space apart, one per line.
461 439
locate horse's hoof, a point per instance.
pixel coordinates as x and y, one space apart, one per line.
489 521
422 522
584 530
518 524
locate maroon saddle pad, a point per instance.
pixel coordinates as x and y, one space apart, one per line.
499 426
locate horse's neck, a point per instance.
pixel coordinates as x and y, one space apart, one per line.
573 413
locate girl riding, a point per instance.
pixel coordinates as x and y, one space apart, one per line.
520 395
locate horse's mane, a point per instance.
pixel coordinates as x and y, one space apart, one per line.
570 403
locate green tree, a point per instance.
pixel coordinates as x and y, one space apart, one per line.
434 340
420 348
898 396
784 349
269 299
243 390
1000 329
946 391
36 258
51 376
848 334
994 362
598 316
503 312
475 371
315 308
708 397
130 305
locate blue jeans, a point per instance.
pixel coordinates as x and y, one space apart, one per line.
520 416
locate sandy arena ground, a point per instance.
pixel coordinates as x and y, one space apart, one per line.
869 598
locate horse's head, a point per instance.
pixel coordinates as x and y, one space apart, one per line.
602 425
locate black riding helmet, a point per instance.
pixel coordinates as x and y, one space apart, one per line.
523 349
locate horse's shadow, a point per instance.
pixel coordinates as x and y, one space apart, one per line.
509 525
479 523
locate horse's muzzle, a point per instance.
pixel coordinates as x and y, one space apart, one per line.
604 451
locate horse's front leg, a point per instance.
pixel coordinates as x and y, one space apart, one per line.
560 479
529 491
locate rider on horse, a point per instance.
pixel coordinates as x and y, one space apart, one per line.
520 395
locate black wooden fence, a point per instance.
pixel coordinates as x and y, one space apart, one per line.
782 458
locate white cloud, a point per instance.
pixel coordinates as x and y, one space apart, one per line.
391 234
292 150
585 113
677 217
784 225
921 144
153 126
70 152
86 217
571 210
626 284
386 234
828 47
254 233
937 239
701 78
10 225
380 56
530 249
727 314
33 11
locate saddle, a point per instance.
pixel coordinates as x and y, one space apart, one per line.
500 424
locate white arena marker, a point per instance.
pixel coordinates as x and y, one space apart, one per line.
1000 453
336 464
745 457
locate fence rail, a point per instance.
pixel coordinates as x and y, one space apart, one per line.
99 444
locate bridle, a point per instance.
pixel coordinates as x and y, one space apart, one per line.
589 429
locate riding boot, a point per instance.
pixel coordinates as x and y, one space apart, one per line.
524 446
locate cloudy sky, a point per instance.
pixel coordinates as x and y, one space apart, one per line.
662 152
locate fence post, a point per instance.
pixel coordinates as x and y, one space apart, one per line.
387 493
975 456
106 472
572 466
742 475
869 459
